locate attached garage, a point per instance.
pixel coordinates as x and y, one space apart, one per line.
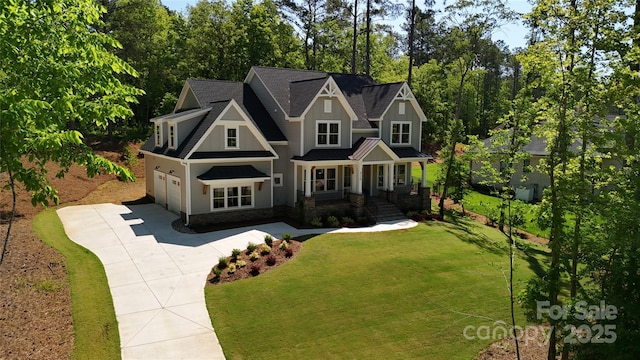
160 187
174 193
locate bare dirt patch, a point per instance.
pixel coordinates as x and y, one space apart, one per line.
532 344
35 302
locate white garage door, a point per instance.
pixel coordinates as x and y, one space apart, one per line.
160 187
174 194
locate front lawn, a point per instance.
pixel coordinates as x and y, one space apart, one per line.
400 294
94 321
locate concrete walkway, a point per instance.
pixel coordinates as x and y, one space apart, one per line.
157 275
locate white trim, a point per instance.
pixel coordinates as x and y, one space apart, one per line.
226 137
250 125
332 90
238 186
187 181
326 171
158 133
183 95
172 137
279 143
405 93
401 123
329 133
327 106
280 178
401 108
217 160
396 173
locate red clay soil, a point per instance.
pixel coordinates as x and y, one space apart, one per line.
35 306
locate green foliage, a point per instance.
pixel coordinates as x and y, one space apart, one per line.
251 247
95 327
235 253
216 272
57 75
286 237
265 249
317 221
268 239
232 268
347 221
223 262
254 256
129 157
332 221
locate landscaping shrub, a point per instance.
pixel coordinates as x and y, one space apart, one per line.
241 264
332 221
265 249
288 252
286 237
284 245
235 253
347 221
222 262
255 269
129 157
316 221
232 268
216 272
268 239
271 260
254 256
251 247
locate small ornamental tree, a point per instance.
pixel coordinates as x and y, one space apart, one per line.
55 72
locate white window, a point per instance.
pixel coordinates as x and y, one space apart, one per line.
401 108
172 136
401 174
277 180
232 197
380 176
328 133
324 179
327 106
400 133
231 137
158 135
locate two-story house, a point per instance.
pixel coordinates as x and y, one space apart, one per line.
282 140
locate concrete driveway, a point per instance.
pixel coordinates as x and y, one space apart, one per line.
157 275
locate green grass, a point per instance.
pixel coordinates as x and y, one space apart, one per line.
480 203
94 320
400 294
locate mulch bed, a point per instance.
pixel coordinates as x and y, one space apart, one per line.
249 270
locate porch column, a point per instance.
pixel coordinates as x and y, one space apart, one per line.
359 178
424 173
385 177
307 182
391 176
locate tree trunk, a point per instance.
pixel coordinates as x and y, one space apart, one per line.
354 42
412 25
367 62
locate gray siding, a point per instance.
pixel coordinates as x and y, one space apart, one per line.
283 195
201 202
185 127
164 165
315 113
357 135
216 139
409 115
190 101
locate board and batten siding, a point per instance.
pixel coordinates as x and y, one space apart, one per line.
201 200
316 113
215 141
410 115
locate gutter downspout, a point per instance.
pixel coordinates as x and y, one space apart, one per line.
187 168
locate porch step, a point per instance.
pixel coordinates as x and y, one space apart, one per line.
387 211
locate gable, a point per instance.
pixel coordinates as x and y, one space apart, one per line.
187 99
377 154
245 133
404 95
329 90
